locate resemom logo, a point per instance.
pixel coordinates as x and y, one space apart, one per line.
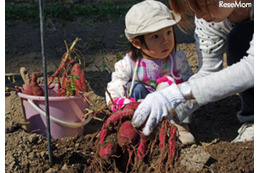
236 4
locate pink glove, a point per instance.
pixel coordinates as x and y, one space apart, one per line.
166 81
121 101
177 78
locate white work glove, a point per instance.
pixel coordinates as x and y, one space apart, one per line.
155 106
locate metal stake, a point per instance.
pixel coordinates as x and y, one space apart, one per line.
45 84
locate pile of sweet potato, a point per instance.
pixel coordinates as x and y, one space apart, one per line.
70 72
119 139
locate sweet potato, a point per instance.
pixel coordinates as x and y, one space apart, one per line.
142 146
162 134
33 88
36 89
127 135
172 143
79 77
107 151
66 58
61 91
109 148
115 118
27 89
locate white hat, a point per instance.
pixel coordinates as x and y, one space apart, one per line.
148 16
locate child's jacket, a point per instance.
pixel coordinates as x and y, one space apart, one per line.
147 71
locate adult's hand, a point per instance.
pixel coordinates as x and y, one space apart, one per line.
155 106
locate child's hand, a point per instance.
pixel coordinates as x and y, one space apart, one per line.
120 102
164 82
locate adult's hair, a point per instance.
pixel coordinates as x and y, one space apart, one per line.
182 8
135 53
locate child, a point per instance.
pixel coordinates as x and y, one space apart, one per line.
152 60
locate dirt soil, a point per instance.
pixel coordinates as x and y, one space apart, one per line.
214 125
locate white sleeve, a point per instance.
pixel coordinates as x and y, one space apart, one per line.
120 77
210 39
231 80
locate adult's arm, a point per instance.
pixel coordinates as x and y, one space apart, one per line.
210 43
231 80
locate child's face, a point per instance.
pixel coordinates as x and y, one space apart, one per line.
159 44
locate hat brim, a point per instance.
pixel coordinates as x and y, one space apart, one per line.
153 28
